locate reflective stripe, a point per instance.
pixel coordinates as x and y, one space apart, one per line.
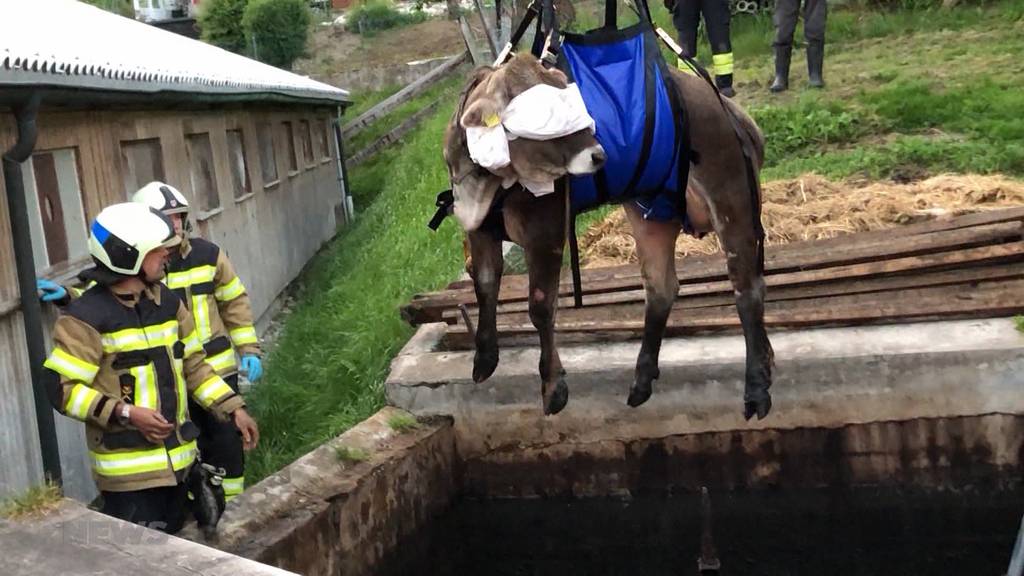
192 344
71 367
184 455
130 339
186 278
233 487
145 386
223 361
201 313
684 67
243 335
230 291
179 386
128 463
723 63
211 391
80 401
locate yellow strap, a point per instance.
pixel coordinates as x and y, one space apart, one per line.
723 63
685 67
233 487
244 335
71 367
230 291
201 313
145 387
223 361
80 401
130 339
186 278
211 392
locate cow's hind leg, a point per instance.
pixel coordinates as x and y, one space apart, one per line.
655 246
735 229
486 268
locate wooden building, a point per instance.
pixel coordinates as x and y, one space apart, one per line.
112 104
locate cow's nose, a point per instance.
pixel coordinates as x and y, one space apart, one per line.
598 157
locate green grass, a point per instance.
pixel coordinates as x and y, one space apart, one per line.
403 423
327 369
1019 322
35 502
350 454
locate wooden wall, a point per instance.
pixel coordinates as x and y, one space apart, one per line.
269 234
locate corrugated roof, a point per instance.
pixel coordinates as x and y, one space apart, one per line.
72 44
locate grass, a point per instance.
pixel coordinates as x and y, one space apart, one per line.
350 454
327 370
403 423
1019 322
37 501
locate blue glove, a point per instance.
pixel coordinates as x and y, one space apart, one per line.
252 367
51 290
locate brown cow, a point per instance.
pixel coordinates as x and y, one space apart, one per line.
718 199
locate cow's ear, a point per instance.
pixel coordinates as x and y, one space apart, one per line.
556 78
483 112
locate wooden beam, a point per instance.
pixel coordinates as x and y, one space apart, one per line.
391 137
412 90
479 59
492 40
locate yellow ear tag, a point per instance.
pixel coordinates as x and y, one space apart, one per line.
492 121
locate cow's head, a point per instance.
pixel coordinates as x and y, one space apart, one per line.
485 97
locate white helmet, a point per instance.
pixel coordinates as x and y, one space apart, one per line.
162 197
123 234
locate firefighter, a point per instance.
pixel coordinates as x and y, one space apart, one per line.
786 12
686 16
126 357
202 276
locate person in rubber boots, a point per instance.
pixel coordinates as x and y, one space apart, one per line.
200 273
785 17
686 17
126 358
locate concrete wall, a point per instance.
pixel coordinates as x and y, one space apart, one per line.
269 234
325 516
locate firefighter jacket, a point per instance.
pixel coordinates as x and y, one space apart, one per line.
145 352
202 276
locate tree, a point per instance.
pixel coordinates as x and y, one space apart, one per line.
277 30
220 22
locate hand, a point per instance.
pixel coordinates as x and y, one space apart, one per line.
247 426
252 367
50 289
151 423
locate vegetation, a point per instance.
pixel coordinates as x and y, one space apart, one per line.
372 16
277 30
220 22
35 502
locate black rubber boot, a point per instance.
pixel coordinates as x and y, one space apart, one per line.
782 57
724 84
815 62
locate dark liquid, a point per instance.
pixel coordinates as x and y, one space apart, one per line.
828 532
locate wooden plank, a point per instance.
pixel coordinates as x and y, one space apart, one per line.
404 95
429 307
985 255
479 59
391 137
954 301
1011 271
492 41
793 248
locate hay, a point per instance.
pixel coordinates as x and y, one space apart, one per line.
812 207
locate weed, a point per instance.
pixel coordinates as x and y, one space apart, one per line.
37 501
403 423
351 454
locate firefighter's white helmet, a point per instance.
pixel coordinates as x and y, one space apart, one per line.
123 234
162 197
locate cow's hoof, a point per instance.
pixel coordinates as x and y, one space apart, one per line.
484 364
557 400
638 394
759 403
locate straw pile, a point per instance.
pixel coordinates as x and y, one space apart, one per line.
812 207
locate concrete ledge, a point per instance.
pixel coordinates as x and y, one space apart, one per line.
824 378
324 516
76 540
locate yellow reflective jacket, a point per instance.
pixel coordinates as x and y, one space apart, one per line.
145 352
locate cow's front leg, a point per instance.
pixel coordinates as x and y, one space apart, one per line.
655 247
486 267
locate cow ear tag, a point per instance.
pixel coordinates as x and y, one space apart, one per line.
492 120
